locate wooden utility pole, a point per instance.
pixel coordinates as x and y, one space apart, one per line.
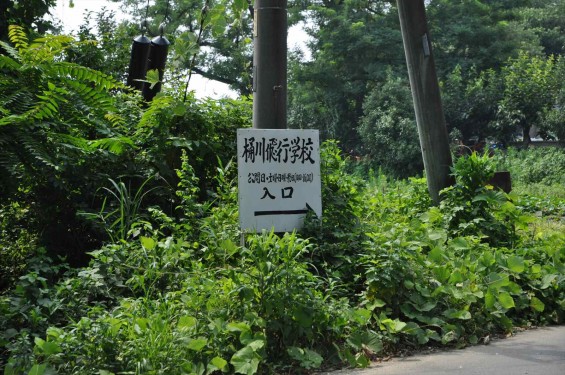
425 93
269 64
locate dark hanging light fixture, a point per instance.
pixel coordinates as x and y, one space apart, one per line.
157 59
139 57
138 62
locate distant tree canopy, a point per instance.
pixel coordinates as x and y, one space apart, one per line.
482 50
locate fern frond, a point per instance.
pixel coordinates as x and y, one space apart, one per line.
16 102
9 63
18 37
91 97
115 145
12 52
115 119
12 120
102 81
36 150
69 141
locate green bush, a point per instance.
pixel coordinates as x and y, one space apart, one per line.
534 165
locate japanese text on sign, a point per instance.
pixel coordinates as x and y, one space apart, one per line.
275 150
261 178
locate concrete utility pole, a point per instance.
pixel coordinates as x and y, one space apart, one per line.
269 64
425 93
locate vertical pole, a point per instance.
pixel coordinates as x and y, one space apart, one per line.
425 93
269 64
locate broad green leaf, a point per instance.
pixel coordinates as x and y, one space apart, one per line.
505 300
537 304
448 337
436 255
497 280
421 336
456 277
442 273
152 77
536 268
240 5
516 264
197 344
393 325
459 243
458 314
547 280
148 243
216 363
376 303
37 369
186 322
437 234
362 361
46 347
256 344
361 316
489 300
179 109
238 327
245 361
426 306
307 358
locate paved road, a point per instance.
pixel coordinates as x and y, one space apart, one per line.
538 351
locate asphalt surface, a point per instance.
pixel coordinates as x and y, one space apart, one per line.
539 351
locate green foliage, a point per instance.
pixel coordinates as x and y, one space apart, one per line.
534 166
476 34
181 296
388 130
338 235
472 206
51 149
118 214
353 43
470 103
17 242
530 87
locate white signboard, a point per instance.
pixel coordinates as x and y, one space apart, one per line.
279 178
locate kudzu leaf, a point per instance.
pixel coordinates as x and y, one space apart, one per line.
186 322
245 361
536 304
238 327
459 243
489 300
506 300
197 344
515 264
547 280
217 363
436 255
458 314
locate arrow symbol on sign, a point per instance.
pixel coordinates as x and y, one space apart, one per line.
285 212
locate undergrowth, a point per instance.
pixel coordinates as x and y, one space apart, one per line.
382 271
